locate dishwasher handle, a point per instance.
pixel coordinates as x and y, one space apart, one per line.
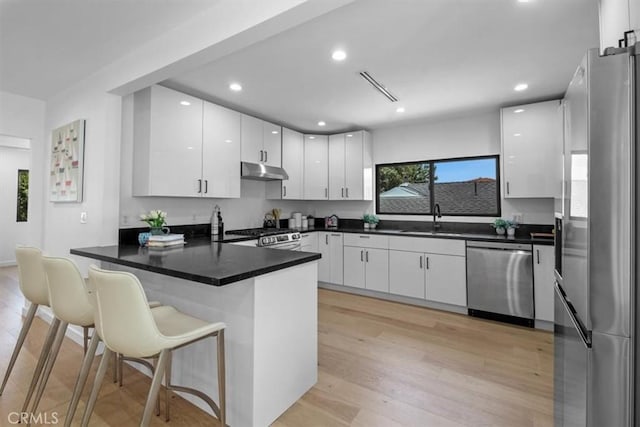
500 246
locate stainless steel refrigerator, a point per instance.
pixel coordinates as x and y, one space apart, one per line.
596 345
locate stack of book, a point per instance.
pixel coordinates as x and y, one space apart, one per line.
166 241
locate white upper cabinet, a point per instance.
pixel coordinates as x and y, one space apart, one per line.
532 150
350 166
316 170
261 141
293 164
616 17
220 151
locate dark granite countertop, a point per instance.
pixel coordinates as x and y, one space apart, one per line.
201 260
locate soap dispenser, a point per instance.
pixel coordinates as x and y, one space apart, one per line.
214 220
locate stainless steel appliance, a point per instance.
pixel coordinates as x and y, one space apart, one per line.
500 281
596 347
261 172
269 237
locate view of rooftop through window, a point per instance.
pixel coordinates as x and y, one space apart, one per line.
468 186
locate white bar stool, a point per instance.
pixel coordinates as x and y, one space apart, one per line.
128 326
33 284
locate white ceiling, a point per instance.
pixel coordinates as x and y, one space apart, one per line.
439 57
48 45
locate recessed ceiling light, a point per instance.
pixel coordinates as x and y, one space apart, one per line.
185 103
228 141
312 137
339 55
235 87
275 132
349 136
520 87
516 134
400 110
519 110
523 1
321 123
189 148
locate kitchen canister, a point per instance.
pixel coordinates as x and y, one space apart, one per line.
298 217
305 223
292 223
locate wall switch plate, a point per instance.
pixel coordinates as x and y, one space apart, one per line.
83 217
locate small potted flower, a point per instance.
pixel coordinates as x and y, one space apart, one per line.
156 220
511 227
370 221
500 225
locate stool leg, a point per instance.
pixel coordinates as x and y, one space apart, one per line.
51 360
102 369
44 354
221 380
120 368
85 339
16 350
116 356
155 387
167 390
154 366
82 378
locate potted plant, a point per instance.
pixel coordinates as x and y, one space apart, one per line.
500 225
511 227
156 220
370 221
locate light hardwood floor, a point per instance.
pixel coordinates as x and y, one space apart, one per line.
380 364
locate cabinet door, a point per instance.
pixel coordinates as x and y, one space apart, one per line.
324 263
336 167
293 163
406 274
354 266
309 242
251 140
376 269
220 152
175 155
446 279
337 261
272 144
354 168
531 149
316 172
543 281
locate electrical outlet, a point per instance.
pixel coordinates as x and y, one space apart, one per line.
125 219
518 217
194 219
83 217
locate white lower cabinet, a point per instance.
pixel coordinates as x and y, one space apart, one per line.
406 274
330 266
309 242
446 279
366 268
543 281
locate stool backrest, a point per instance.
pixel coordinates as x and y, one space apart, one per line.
68 293
124 320
31 275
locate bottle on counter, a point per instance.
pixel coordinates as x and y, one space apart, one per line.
214 220
220 224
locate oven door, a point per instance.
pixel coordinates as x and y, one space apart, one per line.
289 246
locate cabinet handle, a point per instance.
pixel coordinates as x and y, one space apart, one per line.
364 237
199 186
427 261
347 192
284 191
366 255
538 255
326 238
361 256
336 235
266 156
507 187
326 192
262 155
342 192
206 186
421 262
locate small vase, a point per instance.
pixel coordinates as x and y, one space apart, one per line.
511 232
373 226
156 231
500 230
366 225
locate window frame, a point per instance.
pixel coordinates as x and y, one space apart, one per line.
432 202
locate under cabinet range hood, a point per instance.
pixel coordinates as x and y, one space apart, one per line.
261 172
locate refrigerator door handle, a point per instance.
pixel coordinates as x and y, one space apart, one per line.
571 312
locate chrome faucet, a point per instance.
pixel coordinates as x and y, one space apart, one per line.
436 214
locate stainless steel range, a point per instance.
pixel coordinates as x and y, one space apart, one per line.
275 238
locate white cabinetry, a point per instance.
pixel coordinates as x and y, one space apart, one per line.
350 166
330 266
532 150
309 242
261 141
180 143
220 151
293 164
434 269
366 262
543 282
316 172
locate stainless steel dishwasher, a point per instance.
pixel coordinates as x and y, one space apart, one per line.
500 281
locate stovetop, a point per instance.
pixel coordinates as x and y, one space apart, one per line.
259 232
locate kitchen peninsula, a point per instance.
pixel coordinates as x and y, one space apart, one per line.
267 298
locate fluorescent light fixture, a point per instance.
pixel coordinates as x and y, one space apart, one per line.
520 87
321 123
400 110
185 103
236 87
519 110
339 55
365 75
275 132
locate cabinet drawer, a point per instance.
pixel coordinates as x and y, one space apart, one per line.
428 245
366 241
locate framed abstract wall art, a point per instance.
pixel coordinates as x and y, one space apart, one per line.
67 163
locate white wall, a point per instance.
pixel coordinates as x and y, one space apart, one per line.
23 117
12 233
473 135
